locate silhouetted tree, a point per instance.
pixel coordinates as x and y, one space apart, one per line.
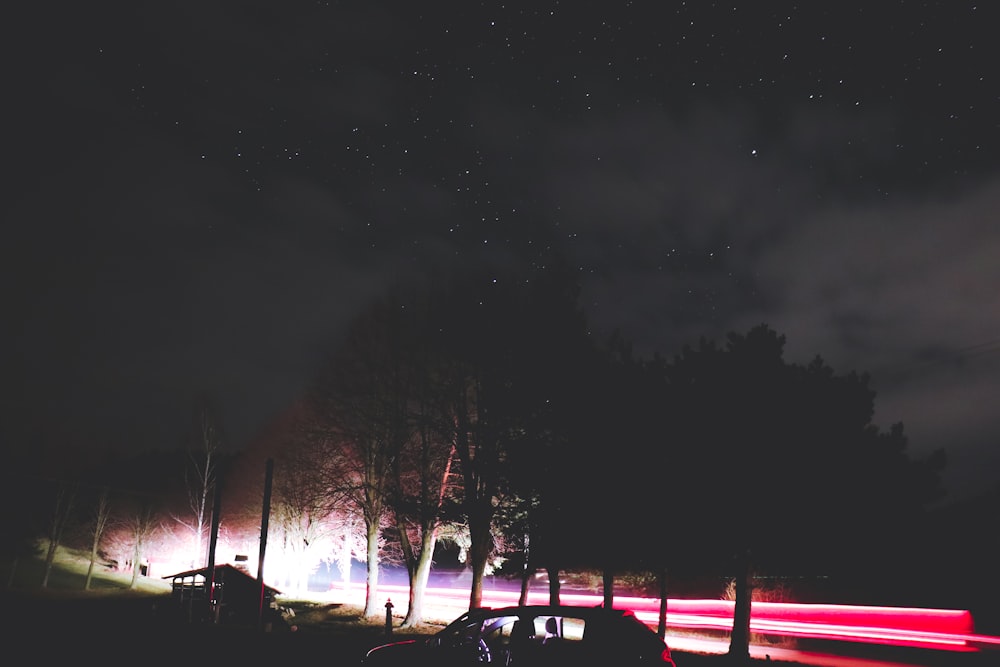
593 484
509 347
335 477
60 517
780 444
541 473
136 530
470 381
361 399
99 523
422 491
200 478
302 513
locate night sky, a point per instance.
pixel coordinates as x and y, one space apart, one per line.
200 195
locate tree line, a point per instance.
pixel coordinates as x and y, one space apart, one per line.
480 410
483 412
121 509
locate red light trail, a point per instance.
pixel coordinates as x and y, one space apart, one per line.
936 629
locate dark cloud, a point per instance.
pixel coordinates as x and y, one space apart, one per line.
205 194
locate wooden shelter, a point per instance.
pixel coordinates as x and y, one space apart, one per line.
239 599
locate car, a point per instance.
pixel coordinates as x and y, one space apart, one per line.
532 635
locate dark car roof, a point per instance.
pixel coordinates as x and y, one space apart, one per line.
551 610
598 614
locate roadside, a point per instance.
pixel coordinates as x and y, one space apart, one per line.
118 626
132 629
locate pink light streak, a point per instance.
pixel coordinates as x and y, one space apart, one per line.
937 629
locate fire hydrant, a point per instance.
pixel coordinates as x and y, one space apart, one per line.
388 617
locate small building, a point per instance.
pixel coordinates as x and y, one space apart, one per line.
239 598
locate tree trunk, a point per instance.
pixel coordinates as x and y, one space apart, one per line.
527 570
554 585
100 522
739 642
479 552
136 564
50 556
411 564
415 612
609 588
371 581
661 628
90 569
526 573
60 517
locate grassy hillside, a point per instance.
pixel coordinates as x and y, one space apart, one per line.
69 574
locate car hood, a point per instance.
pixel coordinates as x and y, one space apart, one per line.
392 649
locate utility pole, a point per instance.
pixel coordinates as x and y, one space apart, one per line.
264 517
213 604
